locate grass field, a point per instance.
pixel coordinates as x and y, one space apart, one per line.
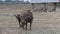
43 23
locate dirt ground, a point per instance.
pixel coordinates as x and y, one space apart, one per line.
43 23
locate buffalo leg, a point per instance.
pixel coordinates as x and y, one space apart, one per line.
23 25
26 26
30 25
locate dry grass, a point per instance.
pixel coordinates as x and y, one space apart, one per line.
7 18
43 23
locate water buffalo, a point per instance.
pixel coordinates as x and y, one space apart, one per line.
24 18
18 18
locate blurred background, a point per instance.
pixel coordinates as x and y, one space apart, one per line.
46 15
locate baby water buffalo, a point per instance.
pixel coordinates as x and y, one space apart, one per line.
24 18
18 18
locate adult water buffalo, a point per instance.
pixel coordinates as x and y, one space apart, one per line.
24 18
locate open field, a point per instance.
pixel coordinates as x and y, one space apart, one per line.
43 23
